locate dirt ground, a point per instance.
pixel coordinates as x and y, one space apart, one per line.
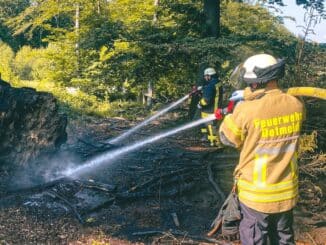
158 194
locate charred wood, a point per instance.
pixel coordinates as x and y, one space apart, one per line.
71 206
214 184
31 125
38 188
98 186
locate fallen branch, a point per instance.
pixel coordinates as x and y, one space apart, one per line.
127 196
107 203
214 184
310 237
97 186
223 166
103 146
39 188
72 207
157 179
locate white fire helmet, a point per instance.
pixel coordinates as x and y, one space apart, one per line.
209 71
261 68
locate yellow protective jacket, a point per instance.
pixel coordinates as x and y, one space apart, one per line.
266 126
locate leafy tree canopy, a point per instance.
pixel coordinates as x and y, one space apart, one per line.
111 50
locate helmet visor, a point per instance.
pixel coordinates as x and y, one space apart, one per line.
235 77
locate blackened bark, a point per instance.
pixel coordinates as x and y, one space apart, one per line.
30 124
212 14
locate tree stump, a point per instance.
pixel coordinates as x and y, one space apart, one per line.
30 124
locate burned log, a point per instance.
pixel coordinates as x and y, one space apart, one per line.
214 184
30 124
54 194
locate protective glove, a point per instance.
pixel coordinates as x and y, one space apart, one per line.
230 107
193 90
237 95
196 90
219 114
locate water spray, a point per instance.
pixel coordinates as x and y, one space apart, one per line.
148 120
106 158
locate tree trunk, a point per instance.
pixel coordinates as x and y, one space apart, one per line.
311 19
149 94
212 13
155 17
77 14
98 7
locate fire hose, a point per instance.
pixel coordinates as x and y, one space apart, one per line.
319 93
239 95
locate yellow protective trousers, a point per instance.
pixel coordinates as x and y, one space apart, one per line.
211 131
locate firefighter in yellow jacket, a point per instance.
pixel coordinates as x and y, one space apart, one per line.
266 127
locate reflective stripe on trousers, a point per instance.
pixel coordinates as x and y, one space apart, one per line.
210 130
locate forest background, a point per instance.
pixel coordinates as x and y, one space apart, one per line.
100 56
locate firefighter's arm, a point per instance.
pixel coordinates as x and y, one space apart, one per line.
232 128
203 102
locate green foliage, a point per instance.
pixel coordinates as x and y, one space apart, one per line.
133 14
243 19
112 69
29 63
183 18
8 10
98 32
42 16
71 98
95 54
311 69
308 143
6 59
57 62
63 61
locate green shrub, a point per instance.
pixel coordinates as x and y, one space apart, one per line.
6 59
308 143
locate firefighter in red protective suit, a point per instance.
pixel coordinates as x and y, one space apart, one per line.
266 127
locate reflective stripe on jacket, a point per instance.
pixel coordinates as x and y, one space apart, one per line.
267 129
